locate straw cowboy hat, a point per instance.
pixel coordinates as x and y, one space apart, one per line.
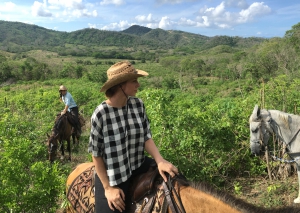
121 72
62 88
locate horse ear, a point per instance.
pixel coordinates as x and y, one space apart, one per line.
256 112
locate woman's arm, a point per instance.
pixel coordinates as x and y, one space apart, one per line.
163 165
101 171
115 196
65 110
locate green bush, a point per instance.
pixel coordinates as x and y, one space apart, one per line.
28 182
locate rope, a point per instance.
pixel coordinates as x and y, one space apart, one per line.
285 160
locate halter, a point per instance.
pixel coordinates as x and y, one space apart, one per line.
52 146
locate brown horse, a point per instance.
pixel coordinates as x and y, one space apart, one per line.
195 197
62 131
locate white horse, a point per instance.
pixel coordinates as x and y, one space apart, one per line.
285 126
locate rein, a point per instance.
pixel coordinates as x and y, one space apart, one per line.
168 189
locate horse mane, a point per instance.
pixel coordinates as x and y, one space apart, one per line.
238 203
58 124
284 117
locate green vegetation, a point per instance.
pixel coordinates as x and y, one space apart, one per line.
199 96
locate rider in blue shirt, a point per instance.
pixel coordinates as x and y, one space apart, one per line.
71 106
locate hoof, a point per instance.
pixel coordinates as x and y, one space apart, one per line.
297 200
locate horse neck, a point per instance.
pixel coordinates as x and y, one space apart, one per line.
285 129
197 201
62 126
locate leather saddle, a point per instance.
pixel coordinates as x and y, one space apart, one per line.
143 184
149 190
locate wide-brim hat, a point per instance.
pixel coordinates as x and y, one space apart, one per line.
62 88
121 72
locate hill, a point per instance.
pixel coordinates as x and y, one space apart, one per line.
137 30
19 37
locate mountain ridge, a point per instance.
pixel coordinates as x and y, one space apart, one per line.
21 37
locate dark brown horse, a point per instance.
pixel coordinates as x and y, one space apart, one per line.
195 197
62 131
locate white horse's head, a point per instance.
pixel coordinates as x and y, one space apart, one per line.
259 126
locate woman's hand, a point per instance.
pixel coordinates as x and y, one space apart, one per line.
166 166
115 198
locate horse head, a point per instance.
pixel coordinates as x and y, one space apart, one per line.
52 144
259 130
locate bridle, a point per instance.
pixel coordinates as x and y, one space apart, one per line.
53 147
168 189
271 129
262 134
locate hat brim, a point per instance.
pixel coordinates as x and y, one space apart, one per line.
122 78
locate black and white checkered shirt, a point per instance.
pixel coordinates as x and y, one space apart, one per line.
118 135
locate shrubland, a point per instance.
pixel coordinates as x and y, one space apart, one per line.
198 104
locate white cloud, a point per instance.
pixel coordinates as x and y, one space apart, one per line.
255 10
221 17
71 4
173 1
115 2
203 21
186 22
92 26
145 19
83 13
7 6
65 9
40 9
122 25
165 23
218 11
152 25
169 1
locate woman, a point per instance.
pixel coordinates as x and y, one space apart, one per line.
71 106
120 132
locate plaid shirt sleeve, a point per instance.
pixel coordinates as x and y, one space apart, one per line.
146 125
96 143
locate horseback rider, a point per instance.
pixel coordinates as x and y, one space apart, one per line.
71 106
120 133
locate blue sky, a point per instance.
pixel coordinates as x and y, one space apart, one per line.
245 18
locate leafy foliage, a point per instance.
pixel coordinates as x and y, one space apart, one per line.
198 101
28 182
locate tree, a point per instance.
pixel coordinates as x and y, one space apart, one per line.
293 36
5 71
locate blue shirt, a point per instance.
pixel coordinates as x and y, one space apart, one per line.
69 101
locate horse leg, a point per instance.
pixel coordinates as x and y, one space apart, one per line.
62 157
73 138
69 148
77 138
297 200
